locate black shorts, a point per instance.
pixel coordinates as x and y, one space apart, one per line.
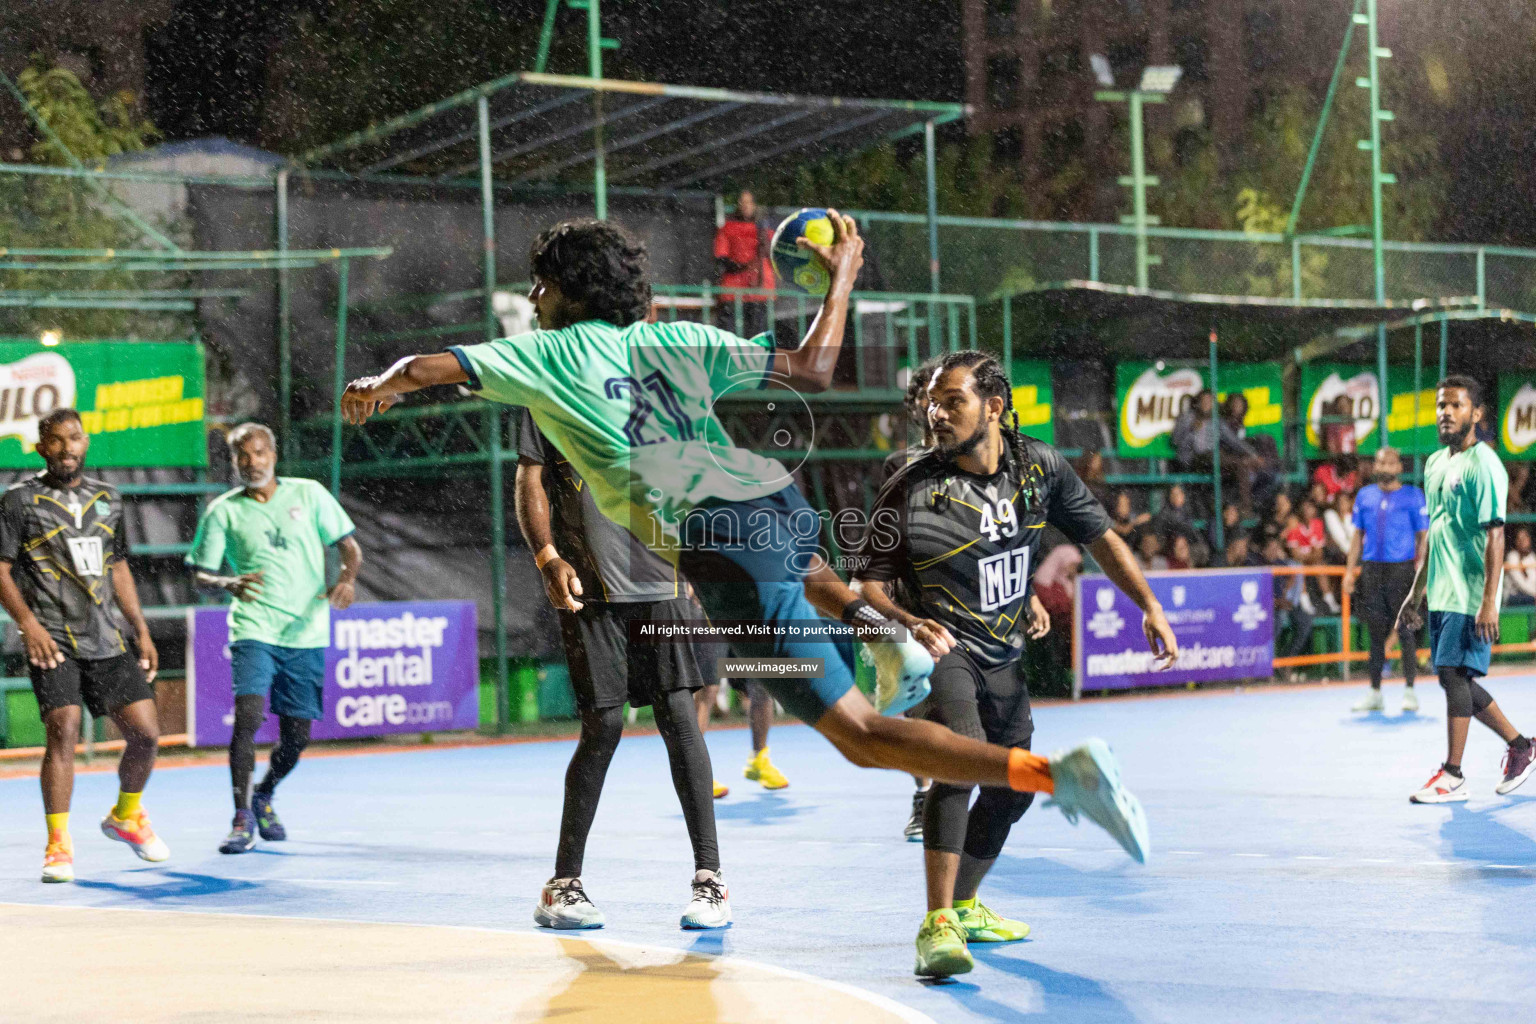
998 695
1380 592
106 684
607 670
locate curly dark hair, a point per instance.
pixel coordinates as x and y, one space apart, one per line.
597 264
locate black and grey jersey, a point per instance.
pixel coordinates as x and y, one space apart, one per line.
62 544
612 564
961 547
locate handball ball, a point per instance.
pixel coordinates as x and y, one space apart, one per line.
800 269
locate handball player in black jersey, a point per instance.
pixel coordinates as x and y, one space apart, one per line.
65 582
950 550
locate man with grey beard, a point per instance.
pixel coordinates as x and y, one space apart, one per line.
272 533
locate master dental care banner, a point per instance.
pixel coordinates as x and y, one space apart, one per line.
141 402
408 666
1151 395
1224 620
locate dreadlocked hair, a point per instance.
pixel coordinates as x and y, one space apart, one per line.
597 264
990 381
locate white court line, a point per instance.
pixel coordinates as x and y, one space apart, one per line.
1186 853
1304 856
1250 855
1375 860
332 881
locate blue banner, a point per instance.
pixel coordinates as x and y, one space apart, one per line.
407 666
1224 620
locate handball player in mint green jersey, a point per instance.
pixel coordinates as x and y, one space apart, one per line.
272 532
631 405
1467 490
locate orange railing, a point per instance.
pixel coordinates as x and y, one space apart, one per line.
1346 655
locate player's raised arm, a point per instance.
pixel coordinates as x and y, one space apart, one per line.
809 367
368 395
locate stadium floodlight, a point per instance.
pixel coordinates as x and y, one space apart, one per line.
1106 78
1161 78
51 337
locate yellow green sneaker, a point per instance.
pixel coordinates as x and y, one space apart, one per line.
941 948
982 925
760 769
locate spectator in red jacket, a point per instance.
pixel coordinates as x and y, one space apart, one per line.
741 260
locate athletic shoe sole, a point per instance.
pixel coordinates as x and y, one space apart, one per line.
561 925
697 926
233 848
1458 797
943 966
1092 777
59 877
154 851
1510 785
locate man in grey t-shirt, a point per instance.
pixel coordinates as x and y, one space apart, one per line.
602 581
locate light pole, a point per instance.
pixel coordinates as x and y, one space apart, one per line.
1156 83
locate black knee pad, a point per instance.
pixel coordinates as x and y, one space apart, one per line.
944 817
995 812
1458 693
1481 698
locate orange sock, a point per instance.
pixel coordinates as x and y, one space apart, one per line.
1028 772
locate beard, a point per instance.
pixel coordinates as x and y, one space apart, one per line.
1453 438
963 447
257 480
1385 478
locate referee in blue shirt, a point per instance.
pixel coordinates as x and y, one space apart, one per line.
1391 523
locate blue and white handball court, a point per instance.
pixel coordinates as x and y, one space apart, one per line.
1291 881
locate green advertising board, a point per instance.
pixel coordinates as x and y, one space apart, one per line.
1033 397
1410 418
1517 414
141 402
1150 397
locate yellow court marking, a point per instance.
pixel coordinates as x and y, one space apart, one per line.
152 965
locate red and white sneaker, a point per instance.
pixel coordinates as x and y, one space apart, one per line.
1517 768
59 861
135 830
1442 788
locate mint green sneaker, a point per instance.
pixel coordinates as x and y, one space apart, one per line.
941 948
1087 781
982 925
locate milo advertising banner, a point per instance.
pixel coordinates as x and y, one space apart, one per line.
141 402
1151 396
1517 415
1344 393
1032 398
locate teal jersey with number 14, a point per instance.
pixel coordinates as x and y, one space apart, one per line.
633 409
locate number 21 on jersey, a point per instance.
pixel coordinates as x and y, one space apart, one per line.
999 519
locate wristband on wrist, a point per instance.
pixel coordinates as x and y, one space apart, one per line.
546 555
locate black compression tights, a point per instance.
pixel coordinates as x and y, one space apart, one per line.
1378 659
250 712
951 824
692 777
292 738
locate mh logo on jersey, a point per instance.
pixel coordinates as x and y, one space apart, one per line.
1004 577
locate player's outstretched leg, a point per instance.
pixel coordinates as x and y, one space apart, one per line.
1084 780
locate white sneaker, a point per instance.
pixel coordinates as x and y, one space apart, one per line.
710 906
1332 602
901 675
1442 788
1372 701
1410 700
563 904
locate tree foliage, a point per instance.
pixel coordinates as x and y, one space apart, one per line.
46 212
